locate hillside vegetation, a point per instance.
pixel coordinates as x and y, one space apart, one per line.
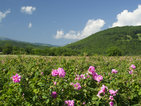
8 46
125 39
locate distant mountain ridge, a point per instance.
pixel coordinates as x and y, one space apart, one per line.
42 44
127 39
4 40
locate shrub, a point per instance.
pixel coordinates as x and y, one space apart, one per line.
114 51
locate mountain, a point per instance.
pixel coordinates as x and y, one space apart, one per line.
42 44
4 38
6 41
127 39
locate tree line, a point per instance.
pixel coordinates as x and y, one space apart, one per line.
47 51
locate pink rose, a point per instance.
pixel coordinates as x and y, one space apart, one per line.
16 78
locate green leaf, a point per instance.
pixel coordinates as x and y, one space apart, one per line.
84 90
44 97
47 101
35 91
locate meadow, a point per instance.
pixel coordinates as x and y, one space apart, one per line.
70 81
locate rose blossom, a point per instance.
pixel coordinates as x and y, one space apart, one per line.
111 103
55 83
114 71
82 76
102 91
71 83
91 70
133 66
98 78
77 86
69 102
54 72
112 92
111 98
131 72
16 78
77 77
61 72
42 73
54 94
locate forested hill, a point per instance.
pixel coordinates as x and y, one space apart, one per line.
126 40
6 41
8 46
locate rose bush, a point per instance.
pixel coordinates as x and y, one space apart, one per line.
59 81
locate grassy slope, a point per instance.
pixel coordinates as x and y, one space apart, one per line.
127 38
19 44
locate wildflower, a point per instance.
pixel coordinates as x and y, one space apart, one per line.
102 91
84 103
133 66
54 94
94 75
103 88
87 75
82 76
114 71
111 98
16 78
54 72
98 78
111 103
55 83
91 70
77 86
69 102
42 73
71 83
77 77
99 93
131 72
112 92
61 72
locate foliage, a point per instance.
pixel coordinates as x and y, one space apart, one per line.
7 49
126 38
37 84
114 51
37 50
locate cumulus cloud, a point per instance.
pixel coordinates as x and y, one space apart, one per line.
129 18
59 34
28 9
91 27
29 25
4 14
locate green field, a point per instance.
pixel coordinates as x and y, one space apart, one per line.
35 87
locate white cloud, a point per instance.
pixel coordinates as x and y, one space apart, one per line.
29 25
92 26
129 18
59 34
28 9
4 14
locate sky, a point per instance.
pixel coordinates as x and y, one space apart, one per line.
60 22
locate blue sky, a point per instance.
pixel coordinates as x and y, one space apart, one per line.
60 22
